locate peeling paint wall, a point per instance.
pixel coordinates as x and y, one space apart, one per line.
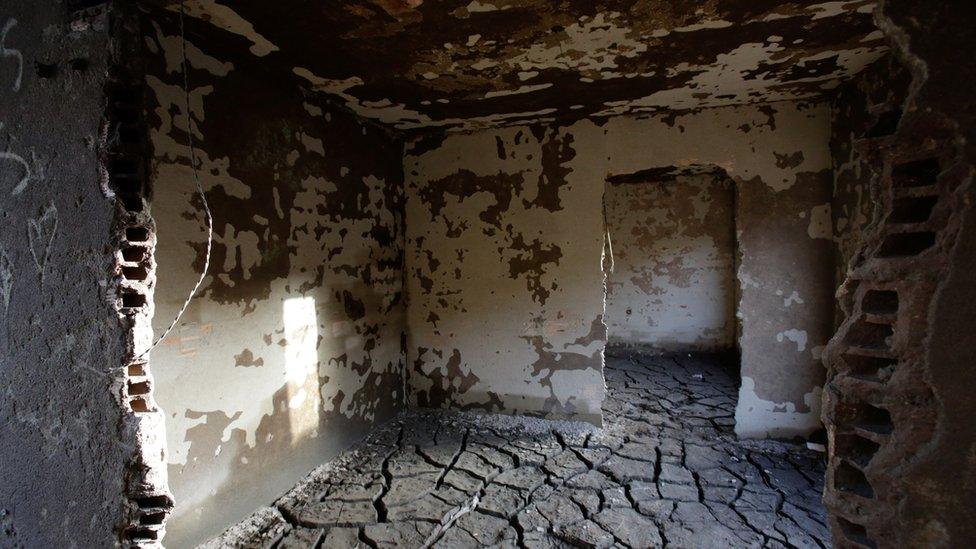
293 348
778 157
63 344
504 241
503 259
673 241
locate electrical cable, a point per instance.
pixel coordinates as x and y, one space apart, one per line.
609 242
203 197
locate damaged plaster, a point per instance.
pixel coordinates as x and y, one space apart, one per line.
501 255
777 419
505 285
292 348
673 240
483 206
470 65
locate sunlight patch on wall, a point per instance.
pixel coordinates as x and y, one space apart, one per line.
301 364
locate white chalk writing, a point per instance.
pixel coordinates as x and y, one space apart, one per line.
22 184
40 234
10 52
6 279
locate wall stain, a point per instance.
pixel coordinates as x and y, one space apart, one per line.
464 184
531 261
246 359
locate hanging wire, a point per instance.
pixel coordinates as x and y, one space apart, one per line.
196 177
606 224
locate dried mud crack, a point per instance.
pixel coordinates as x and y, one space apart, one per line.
665 471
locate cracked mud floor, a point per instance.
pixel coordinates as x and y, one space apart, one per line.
666 470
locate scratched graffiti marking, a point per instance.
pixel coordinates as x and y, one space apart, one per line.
26 177
22 184
6 279
40 234
39 164
34 170
10 52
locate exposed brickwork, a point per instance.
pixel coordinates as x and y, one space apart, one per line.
879 406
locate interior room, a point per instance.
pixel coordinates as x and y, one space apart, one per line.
396 273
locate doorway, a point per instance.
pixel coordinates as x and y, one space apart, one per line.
673 242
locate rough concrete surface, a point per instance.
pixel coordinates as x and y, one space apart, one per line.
665 469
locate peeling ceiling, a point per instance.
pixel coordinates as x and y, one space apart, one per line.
478 63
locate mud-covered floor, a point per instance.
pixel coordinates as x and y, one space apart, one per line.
665 471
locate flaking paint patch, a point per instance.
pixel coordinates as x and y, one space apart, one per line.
759 418
821 225
385 110
246 359
226 18
574 389
799 337
794 297
506 292
518 91
171 47
831 9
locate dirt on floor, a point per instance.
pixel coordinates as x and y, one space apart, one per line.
666 470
